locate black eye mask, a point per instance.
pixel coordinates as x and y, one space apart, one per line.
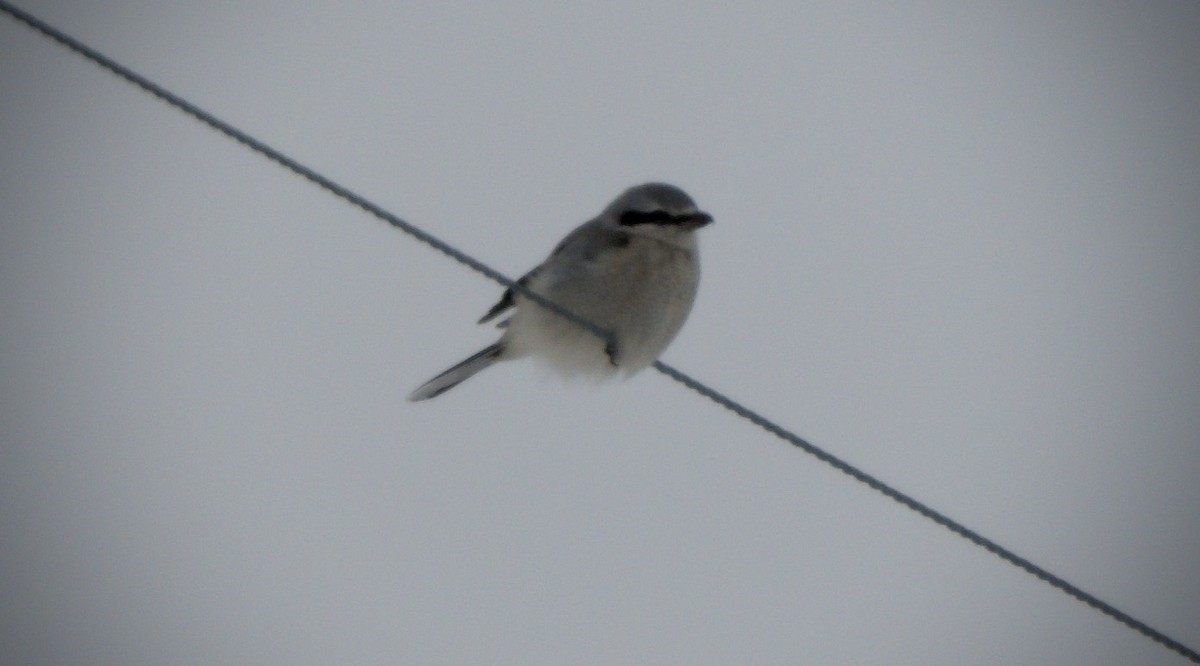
632 218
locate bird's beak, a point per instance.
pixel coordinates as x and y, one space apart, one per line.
697 220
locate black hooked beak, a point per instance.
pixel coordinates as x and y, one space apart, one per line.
696 220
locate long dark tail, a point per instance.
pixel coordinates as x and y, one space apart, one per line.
457 374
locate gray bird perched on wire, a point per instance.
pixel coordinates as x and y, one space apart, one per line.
632 272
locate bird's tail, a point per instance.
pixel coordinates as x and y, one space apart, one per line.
457 374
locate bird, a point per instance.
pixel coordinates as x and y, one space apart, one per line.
631 272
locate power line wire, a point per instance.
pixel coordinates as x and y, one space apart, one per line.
684 379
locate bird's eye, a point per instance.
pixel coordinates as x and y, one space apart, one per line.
634 217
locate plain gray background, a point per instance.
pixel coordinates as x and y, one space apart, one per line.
957 244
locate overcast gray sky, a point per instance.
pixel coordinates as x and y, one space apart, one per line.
957 245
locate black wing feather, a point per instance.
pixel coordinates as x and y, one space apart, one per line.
507 300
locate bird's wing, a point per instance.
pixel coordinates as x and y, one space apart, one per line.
507 300
583 244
